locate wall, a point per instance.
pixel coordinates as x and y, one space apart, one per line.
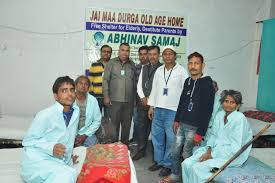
272 9
29 62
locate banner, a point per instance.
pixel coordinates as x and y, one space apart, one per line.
136 27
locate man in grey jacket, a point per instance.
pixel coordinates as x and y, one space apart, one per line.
119 91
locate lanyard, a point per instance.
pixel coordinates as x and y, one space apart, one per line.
166 81
192 88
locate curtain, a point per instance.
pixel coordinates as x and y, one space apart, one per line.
266 84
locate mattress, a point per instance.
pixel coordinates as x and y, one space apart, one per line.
10 164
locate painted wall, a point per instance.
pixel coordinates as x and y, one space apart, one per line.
30 62
272 9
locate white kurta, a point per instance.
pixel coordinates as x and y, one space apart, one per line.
225 140
48 128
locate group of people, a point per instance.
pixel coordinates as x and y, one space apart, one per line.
180 109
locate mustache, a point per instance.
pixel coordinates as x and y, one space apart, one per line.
193 70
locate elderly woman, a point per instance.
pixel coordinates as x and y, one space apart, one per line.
230 131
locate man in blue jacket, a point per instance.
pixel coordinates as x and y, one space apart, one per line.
48 144
90 116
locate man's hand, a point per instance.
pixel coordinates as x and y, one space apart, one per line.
151 113
206 156
79 140
176 126
59 150
144 101
107 101
74 158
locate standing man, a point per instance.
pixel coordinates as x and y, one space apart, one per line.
90 116
144 88
143 60
96 76
164 98
119 91
48 144
193 113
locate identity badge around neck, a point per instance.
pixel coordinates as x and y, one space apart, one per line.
122 72
165 91
190 106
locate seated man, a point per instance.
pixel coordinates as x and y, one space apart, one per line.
48 144
230 131
90 116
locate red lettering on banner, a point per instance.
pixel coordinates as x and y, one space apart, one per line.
128 18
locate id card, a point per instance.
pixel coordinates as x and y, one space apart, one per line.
165 91
122 72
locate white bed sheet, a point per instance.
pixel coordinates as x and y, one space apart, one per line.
14 127
10 164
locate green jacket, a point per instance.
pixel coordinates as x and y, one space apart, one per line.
119 82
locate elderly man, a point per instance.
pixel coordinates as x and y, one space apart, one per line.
90 116
48 144
119 91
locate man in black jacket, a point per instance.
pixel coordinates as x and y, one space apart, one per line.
193 113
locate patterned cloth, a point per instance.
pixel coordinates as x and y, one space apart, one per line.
108 163
252 171
261 115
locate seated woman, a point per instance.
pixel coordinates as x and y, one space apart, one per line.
230 131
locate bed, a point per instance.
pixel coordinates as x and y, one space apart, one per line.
10 164
257 125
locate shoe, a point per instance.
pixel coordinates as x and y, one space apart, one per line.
164 172
154 167
138 156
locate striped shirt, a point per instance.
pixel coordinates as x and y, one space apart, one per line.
96 79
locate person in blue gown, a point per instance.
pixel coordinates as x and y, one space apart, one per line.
48 145
230 131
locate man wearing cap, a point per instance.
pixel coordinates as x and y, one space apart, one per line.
193 113
163 100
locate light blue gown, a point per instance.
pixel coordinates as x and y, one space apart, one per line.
92 121
47 129
225 141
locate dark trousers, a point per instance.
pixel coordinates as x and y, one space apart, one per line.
102 107
144 127
121 114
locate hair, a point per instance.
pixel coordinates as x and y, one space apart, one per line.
124 44
236 95
61 80
154 47
143 48
82 77
106 46
196 54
